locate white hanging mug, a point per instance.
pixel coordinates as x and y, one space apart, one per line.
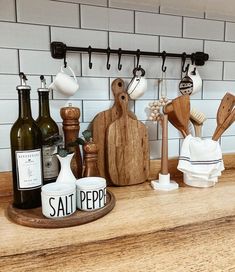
64 83
138 84
197 81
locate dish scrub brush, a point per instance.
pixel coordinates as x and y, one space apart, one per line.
197 118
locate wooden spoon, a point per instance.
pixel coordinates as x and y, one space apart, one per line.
178 111
225 109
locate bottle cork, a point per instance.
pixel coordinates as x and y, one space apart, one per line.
90 153
71 127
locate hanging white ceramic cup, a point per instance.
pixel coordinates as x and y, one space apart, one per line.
64 83
138 85
197 81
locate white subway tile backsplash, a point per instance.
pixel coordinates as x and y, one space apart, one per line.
172 132
87 2
7 66
5 159
89 88
5 136
150 5
8 85
217 89
229 70
203 29
79 37
158 24
209 127
230 32
7 10
153 67
91 108
212 70
133 41
179 10
208 107
155 148
215 15
179 45
15 35
41 62
48 13
42 21
107 19
11 115
224 51
99 66
142 109
227 144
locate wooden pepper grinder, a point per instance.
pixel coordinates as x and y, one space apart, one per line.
90 153
71 127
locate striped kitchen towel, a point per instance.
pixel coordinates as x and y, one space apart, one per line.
201 161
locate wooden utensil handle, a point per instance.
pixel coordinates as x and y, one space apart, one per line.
221 129
164 158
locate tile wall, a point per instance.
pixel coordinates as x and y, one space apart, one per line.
27 27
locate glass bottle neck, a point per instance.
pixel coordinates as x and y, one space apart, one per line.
44 110
24 104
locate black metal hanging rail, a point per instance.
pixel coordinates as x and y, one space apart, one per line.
59 49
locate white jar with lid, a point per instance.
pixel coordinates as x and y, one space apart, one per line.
91 193
58 199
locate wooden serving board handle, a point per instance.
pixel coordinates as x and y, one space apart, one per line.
101 123
127 148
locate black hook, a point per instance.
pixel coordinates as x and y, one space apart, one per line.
65 62
184 69
119 59
108 56
89 52
138 57
163 61
193 58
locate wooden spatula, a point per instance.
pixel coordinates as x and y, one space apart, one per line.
128 150
101 122
224 111
178 111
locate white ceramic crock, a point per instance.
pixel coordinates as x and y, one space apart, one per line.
58 199
91 193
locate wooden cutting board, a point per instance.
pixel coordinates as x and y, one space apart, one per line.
101 122
128 148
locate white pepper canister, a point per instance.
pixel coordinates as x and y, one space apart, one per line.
91 193
58 199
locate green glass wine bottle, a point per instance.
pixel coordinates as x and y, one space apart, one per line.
26 153
50 131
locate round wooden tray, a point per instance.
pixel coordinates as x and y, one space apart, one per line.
34 217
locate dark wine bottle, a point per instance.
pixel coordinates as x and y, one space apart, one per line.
50 132
26 153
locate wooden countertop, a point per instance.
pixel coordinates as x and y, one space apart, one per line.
189 229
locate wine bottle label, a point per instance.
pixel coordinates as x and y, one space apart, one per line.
29 169
50 162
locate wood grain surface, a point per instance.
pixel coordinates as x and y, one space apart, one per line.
101 122
127 148
190 229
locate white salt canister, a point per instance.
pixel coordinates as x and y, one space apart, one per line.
91 193
58 199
